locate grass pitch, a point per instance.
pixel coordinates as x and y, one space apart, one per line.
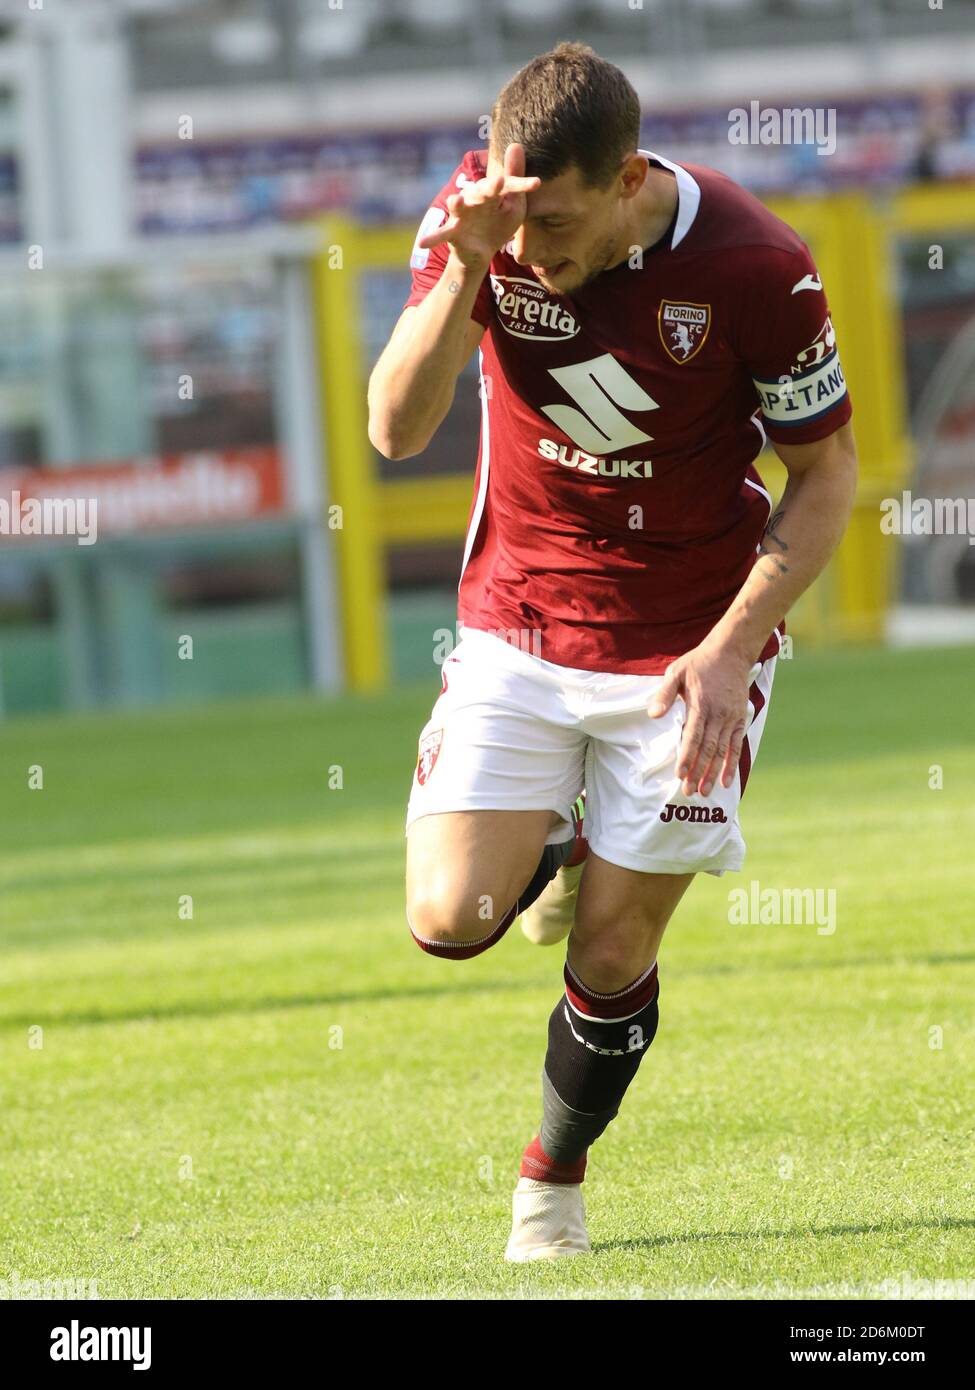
283 1096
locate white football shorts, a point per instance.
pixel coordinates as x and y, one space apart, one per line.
514 733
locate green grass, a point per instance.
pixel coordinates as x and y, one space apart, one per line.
191 1129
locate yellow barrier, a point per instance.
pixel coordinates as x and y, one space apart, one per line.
852 244
352 481
852 238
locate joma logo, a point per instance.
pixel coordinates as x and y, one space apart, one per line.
697 815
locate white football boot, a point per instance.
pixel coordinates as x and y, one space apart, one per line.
548 1220
551 915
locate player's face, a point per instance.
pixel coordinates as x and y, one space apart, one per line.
572 232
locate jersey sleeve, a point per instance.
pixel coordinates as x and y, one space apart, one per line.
787 341
427 266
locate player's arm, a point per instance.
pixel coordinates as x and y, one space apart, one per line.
412 385
790 350
801 535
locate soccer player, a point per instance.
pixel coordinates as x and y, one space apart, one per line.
642 325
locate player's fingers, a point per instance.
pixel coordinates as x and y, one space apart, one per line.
514 158
483 191
703 743
441 234
437 238
690 742
522 185
706 774
733 754
666 693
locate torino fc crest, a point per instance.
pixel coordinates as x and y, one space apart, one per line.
429 752
683 328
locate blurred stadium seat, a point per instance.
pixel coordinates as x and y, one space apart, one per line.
539 14
249 39
323 33
431 17
729 7
614 15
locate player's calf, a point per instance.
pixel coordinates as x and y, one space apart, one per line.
596 1042
604 1024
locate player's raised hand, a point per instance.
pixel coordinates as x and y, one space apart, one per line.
713 684
487 213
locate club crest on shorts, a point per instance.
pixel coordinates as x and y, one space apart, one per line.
683 328
430 747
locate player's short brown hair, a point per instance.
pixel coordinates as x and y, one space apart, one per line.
568 106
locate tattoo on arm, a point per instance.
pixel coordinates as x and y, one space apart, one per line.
770 536
453 287
779 568
769 540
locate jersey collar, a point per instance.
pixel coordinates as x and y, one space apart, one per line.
688 196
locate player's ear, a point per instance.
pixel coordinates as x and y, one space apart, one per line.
633 174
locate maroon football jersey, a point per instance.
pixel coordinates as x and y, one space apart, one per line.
616 510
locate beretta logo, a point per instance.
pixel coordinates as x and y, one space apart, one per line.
527 311
683 328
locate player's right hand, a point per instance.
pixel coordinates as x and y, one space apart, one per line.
486 214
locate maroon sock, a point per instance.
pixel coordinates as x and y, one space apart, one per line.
535 1163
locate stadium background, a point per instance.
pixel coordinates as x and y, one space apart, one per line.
206 213
225 195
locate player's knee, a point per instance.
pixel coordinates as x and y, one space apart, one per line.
606 956
604 969
447 916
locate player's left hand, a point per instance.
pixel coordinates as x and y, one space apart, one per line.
713 683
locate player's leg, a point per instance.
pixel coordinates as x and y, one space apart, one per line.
646 841
470 873
549 919
598 1034
601 1028
620 920
490 815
